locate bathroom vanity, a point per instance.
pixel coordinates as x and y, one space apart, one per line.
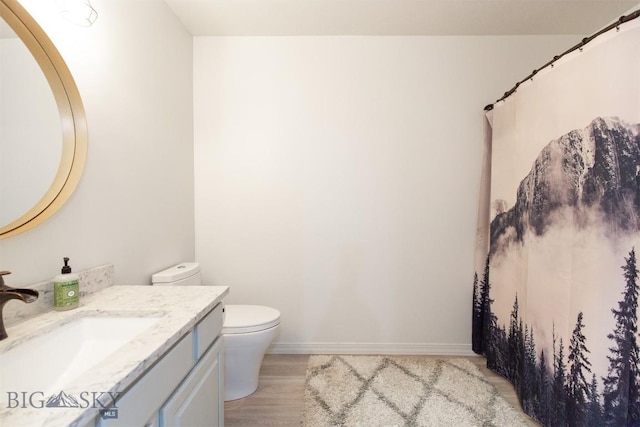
129 355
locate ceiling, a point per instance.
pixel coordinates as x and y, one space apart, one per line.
397 17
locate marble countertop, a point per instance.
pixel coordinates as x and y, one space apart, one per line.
178 310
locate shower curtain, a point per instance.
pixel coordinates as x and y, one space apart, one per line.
555 302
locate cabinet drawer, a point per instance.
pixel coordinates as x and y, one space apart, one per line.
208 330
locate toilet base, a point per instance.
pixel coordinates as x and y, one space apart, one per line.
240 382
243 355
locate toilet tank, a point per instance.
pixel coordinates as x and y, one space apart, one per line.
184 274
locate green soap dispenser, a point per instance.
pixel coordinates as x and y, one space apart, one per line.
66 289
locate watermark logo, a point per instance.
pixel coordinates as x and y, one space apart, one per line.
105 402
62 400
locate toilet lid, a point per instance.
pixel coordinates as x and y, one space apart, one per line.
240 319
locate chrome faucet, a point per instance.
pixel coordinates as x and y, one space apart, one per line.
8 293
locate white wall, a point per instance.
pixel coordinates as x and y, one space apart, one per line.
134 204
337 180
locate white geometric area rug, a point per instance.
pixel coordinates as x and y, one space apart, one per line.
388 391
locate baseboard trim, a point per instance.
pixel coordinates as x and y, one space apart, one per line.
372 348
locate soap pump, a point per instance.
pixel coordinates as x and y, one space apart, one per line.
66 289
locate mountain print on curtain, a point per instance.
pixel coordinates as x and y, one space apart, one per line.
591 175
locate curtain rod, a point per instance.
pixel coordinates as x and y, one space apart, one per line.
622 20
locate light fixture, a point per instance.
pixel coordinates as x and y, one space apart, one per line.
79 12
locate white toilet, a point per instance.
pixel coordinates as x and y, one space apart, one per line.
248 330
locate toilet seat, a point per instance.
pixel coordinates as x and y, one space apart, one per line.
242 319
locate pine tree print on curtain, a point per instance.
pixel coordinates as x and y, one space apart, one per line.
621 385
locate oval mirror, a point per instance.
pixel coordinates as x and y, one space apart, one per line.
43 132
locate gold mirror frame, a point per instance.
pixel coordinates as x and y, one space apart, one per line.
72 117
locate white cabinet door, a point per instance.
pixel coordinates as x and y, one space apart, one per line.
140 403
198 401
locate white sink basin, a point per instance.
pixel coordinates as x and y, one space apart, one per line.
48 361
